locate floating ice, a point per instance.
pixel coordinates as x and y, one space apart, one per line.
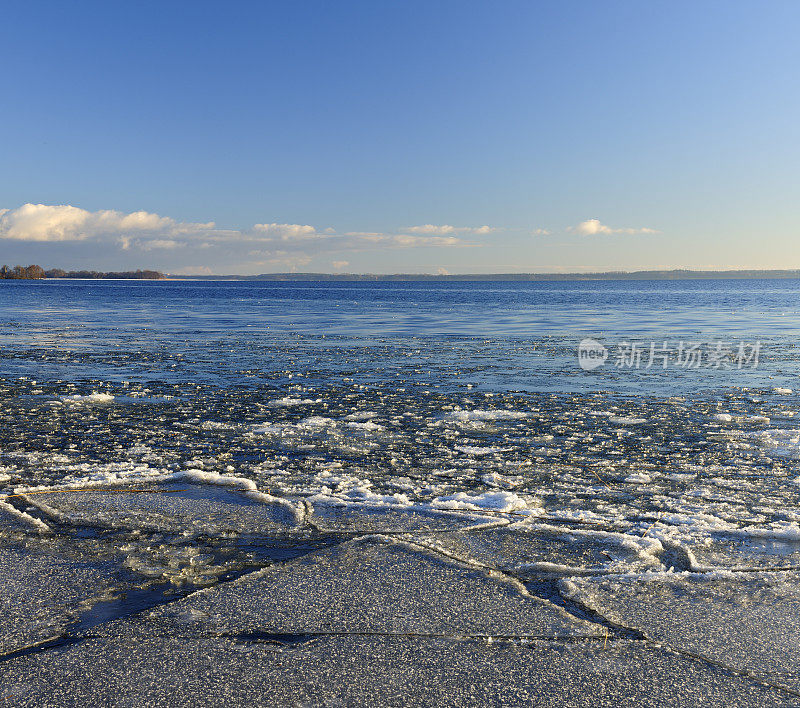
289 401
485 415
638 478
478 451
90 398
366 425
778 442
488 501
626 420
216 425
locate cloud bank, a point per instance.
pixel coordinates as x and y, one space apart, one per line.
42 222
147 232
263 244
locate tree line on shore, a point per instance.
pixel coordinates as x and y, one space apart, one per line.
35 272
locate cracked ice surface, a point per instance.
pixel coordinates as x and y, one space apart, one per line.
747 621
43 592
469 603
139 668
368 586
530 551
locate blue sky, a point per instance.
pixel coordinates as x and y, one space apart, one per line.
400 136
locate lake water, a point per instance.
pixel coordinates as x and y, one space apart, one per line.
437 395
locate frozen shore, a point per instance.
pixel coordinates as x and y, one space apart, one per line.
194 590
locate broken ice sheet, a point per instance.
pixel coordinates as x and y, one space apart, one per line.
14 522
533 551
176 506
747 621
373 586
137 666
721 551
366 519
43 591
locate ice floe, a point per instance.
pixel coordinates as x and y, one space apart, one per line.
488 501
88 398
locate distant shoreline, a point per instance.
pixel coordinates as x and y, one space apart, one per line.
641 275
509 277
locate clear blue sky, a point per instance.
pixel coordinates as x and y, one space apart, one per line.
356 133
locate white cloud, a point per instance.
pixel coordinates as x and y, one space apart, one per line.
287 232
338 265
541 232
446 229
442 271
408 241
43 222
591 227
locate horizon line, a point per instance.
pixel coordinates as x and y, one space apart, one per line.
688 273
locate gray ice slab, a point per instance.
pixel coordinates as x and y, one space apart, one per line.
139 668
178 507
750 622
41 592
364 519
370 586
531 553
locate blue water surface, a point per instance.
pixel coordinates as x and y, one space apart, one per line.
505 335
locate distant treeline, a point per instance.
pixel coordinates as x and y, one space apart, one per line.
35 272
32 272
